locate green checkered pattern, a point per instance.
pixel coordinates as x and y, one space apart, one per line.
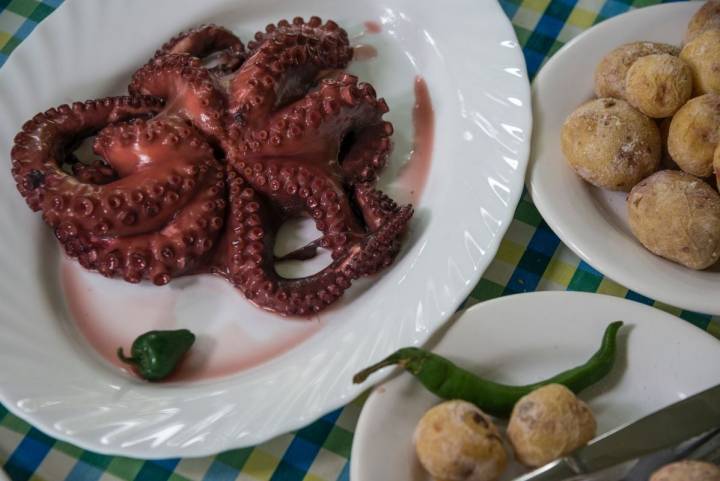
530 258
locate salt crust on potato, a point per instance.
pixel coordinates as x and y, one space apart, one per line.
658 85
694 135
703 57
677 216
612 69
707 18
611 144
456 441
549 423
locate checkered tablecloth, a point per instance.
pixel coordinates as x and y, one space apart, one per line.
530 258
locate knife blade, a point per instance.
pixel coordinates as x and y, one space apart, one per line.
660 430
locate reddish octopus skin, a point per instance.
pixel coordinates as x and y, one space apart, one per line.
204 41
297 164
188 88
289 152
138 225
156 205
283 63
249 258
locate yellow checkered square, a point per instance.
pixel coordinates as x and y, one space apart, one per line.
4 37
559 272
260 465
581 18
510 252
537 5
612 288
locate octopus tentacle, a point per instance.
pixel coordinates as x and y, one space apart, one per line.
302 188
38 151
306 138
178 248
378 210
375 206
369 149
163 166
188 89
284 26
282 66
250 260
205 41
130 205
341 120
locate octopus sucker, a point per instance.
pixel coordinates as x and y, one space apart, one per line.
213 150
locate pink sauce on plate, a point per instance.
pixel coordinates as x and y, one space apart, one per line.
109 316
415 172
364 52
372 26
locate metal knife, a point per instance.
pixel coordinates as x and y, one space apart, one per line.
664 429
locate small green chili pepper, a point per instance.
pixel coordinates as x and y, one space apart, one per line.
156 354
449 381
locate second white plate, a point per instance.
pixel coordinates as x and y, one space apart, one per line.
592 221
526 337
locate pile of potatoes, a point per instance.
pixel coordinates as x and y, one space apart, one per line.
654 132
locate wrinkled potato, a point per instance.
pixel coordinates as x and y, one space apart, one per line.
707 18
687 471
610 144
703 56
456 441
677 216
694 136
612 69
549 423
658 85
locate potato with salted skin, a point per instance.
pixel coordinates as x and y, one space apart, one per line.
688 470
549 423
694 135
677 216
703 57
707 18
658 85
610 144
456 441
611 71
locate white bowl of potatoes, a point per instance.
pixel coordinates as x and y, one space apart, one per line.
625 150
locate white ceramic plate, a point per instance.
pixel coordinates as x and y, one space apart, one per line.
593 221
475 71
526 337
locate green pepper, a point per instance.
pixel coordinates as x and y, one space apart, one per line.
448 381
156 354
